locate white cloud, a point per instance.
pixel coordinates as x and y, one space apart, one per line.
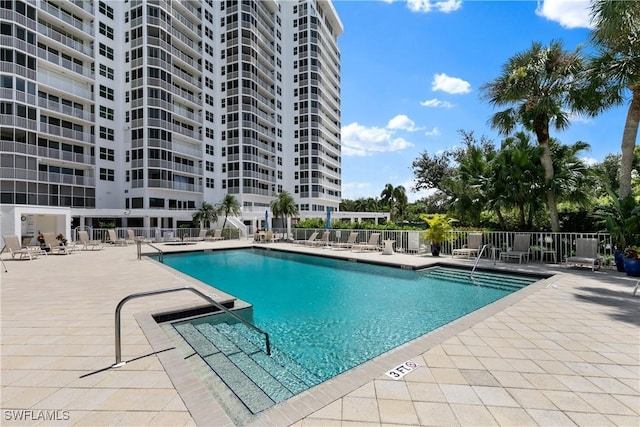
402 122
412 196
358 140
448 5
433 132
423 6
590 161
426 6
448 84
355 190
436 103
568 13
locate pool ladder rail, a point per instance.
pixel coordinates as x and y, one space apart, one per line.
475 264
213 302
139 243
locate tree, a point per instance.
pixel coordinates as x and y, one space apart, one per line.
616 70
400 200
464 185
283 207
430 170
348 205
205 215
608 172
228 206
369 204
396 200
456 173
574 180
514 179
539 87
386 197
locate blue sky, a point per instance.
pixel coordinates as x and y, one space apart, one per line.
412 72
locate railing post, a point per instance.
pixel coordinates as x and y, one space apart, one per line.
139 248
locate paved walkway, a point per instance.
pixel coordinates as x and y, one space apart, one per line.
564 352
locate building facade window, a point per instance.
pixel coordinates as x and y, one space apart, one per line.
107 174
107 154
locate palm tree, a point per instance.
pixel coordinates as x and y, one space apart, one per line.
465 183
386 197
514 180
574 180
348 205
538 87
400 200
228 206
205 215
283 207
616 70
395 198
369 204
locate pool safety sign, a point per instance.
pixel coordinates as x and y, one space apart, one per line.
402 370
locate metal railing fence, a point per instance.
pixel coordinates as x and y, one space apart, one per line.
542 243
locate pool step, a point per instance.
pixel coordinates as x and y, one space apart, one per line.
236 354
480 278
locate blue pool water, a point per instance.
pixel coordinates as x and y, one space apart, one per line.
331 315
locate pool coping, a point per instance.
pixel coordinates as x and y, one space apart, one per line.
205 408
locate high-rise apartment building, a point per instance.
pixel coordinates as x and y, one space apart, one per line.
140 110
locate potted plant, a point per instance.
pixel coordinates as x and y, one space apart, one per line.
632 261
439 230
61 239
621 218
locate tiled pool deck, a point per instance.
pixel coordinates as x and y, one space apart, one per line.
565 351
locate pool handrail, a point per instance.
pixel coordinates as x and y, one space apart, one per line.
213 302
475 264
139 243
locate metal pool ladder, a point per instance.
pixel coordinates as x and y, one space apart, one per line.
139 243
475 264
119 361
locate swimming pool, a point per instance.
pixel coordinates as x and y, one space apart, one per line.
330 315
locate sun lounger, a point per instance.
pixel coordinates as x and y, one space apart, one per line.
586 254
88 244
474 241
217 235
199 238
372 245
115 240
351 240
12 244
308 241
55 246
520 250
321 241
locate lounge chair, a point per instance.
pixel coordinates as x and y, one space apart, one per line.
372 245
55 246
131 236
520 250
199 238
321 241
474 241
351 240
12 243
217 235
88 244
115 240
269 237
586 254
308 241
